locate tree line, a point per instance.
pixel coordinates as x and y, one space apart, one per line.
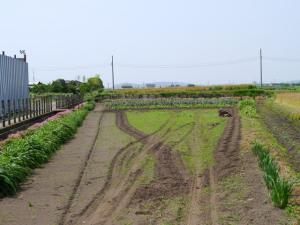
69 86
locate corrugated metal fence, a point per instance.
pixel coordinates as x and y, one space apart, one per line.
13 78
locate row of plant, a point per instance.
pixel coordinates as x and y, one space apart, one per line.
183 93
19 156
280 189
163 103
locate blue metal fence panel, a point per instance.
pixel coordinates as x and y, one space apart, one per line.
13 79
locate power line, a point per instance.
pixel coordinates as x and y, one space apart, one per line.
281 59
53 69
191 66
148 66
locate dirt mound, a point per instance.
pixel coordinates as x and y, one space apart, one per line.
227 152
169 182
225 112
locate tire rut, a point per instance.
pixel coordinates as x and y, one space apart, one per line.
226 160
82 170
127 182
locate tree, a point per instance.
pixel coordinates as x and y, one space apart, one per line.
40 88
59 86
95 83
84 88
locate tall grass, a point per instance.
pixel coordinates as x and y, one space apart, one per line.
280 189
19 156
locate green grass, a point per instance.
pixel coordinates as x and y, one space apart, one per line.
193 133
19 157
148 122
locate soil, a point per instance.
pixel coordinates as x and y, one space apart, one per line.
45 195
95 179
286 132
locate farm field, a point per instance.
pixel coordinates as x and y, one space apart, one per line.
174 166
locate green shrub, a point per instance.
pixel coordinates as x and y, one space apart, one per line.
280 189
19 156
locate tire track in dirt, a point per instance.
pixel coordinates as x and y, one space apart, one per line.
85 163
226 160
192 217
169 180
126 183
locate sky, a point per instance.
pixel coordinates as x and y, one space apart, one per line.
193 41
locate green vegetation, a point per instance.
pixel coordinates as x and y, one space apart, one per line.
248 107
73 86
188 92
193 133
148 122
164 103
280 189
19 156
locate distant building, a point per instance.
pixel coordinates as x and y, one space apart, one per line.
14 82
150 85
126 86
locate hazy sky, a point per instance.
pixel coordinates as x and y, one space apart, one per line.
67 38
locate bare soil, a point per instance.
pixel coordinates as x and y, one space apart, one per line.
45 195
286 132
95 179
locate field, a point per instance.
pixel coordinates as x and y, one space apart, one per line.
167 162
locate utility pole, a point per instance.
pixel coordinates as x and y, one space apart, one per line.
261 71
112 72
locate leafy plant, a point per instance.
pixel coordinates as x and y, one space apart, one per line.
280 189
161 103
19 156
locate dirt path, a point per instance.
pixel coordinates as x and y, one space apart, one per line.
46 194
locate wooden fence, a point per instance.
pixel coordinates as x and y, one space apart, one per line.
17 110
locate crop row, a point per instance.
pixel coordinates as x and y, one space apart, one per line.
162 103
182 93
19 156
280 189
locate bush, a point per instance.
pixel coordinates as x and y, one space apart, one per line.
19 156
280 189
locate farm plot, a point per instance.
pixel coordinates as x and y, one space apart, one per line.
162 167
187 171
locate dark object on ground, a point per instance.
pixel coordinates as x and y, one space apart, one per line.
225 113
